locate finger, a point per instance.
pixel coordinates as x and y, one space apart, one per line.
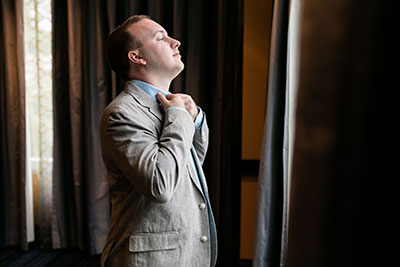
162 98
184 96
171 96
190 106
187 99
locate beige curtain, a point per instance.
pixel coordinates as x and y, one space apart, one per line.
38 64
12 125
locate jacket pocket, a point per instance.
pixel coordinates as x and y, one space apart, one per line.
153 241
155 249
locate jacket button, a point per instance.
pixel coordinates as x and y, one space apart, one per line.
203 239
202 206
203 137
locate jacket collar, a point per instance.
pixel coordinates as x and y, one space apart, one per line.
144 99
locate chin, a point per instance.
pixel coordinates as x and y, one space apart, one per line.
180 68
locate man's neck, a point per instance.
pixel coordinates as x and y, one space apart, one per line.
162 84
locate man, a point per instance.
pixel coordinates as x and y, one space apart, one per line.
153 145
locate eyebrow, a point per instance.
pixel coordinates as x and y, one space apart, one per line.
162 31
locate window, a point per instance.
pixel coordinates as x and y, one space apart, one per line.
39 106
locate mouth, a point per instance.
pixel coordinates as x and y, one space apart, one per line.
176 54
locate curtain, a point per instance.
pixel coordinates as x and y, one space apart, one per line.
37 24
341 212
81 89
211 37
292 80
214 79
13 222
268 233
337 137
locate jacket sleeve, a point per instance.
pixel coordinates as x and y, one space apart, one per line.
200 140
153 162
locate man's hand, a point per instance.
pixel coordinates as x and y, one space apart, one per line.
170 100
190 105
179 100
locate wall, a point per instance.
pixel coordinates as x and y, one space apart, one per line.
257 25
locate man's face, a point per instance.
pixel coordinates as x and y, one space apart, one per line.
159 51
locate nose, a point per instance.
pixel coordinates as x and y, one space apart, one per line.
175 43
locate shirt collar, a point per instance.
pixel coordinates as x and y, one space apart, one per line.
149 89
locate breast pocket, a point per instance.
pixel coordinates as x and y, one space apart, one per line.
155 249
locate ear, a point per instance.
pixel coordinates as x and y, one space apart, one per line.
135 57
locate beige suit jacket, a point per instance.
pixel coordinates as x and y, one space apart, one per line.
159 216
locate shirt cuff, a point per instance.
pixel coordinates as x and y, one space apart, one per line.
198 121
178 108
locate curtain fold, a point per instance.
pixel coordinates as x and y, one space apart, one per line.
292 80
337 138
218 88
82 88
341 160
13 222
211 36
268 232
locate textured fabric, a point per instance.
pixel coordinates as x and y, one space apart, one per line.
213 229
268 234
292 80
338 134
152 91
156 218
82 87
13 223
39 117
198 122
342 207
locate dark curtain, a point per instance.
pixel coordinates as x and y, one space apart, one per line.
338 210
211 37
341 210
81 89
268 233
12 125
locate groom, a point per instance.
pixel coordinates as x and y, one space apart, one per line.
153 145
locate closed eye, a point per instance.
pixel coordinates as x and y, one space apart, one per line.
160 35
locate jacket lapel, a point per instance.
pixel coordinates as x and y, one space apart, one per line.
197 169
145 100
194 179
